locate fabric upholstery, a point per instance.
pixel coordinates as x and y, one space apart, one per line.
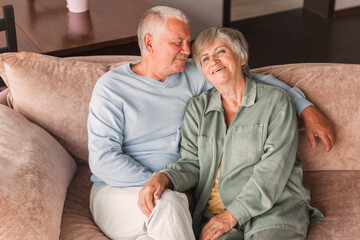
337 195
77 222
35 173
53 93
334 89
3 96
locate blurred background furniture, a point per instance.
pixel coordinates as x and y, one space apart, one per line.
46 26
7 25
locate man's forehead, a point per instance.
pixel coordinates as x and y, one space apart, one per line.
177 28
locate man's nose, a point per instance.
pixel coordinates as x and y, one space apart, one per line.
186 48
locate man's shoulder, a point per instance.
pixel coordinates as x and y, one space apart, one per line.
190 67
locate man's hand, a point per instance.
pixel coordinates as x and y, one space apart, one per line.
152 190
317 125
218 225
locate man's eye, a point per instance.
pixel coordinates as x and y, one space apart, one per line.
178 43
221 51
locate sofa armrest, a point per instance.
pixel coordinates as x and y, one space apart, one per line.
35 173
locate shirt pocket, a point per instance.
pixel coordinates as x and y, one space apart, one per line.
205 150
247 139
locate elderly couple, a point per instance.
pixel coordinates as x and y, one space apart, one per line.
236 174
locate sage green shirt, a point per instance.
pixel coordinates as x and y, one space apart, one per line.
260 175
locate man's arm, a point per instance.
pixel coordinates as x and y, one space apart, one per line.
106 158
316 124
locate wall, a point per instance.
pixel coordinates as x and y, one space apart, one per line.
344 4
202 13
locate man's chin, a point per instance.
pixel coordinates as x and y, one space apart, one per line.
180 67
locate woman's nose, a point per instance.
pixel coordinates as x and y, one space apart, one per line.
214 60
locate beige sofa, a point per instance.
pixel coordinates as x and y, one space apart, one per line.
44 175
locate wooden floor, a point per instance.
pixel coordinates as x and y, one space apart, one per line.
300 36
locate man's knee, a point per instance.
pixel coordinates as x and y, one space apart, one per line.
173 198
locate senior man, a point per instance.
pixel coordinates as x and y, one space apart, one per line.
136 114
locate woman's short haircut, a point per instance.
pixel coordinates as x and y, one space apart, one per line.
154 21
233 38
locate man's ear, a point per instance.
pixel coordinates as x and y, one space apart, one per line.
148 41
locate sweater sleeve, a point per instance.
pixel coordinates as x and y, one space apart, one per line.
271 173
297 96
107 160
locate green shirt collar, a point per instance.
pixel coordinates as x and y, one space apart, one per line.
248 99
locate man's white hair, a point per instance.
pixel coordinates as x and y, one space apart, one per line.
154 21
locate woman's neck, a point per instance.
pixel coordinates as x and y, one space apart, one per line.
231 99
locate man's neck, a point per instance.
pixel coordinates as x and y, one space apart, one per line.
147 69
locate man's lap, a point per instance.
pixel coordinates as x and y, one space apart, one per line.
116 213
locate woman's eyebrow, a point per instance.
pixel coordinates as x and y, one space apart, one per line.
214 50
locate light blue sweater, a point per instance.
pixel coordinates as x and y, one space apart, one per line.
134 122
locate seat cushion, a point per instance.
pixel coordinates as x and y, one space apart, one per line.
336 194
77 222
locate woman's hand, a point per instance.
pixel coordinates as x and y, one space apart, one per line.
317 125
218 225
152 190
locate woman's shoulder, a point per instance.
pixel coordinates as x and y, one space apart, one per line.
201 102
265 90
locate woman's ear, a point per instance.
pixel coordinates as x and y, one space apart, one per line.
148 41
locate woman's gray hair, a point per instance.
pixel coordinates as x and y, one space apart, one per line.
154 21
233 38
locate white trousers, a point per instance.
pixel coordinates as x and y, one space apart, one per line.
116 213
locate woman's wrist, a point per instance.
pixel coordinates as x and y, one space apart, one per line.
164 179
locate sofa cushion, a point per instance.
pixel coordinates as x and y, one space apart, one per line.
337 195
77 221
35 173
3 96
53 93
334 89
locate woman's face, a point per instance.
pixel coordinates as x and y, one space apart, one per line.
220 64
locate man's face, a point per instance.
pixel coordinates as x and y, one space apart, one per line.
171 47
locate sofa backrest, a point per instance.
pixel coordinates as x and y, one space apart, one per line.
335 91
54 93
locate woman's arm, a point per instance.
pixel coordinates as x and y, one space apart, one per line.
181 175
184 173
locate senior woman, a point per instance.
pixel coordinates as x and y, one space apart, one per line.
238 152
